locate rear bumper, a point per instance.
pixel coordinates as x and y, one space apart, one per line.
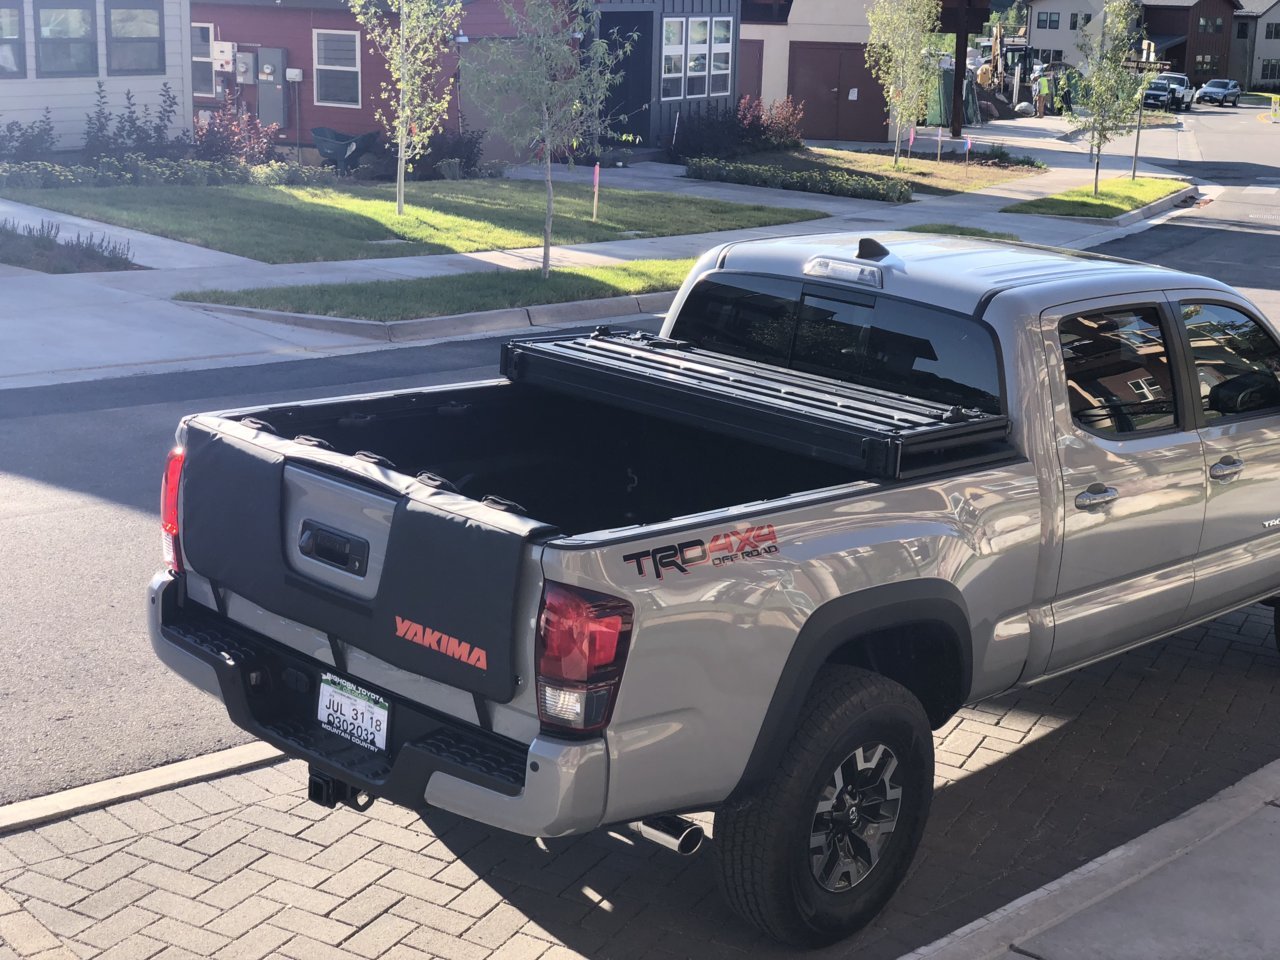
549 788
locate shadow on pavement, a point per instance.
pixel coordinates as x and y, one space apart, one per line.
1140 740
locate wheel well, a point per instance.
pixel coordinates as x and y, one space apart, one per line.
923 657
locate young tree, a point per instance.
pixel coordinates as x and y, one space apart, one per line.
413 36
898 57
1110 89
547 88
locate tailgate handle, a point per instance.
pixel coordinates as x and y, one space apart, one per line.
333 547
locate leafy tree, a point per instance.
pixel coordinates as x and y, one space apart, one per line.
898 57
547 87
413 37
1110 89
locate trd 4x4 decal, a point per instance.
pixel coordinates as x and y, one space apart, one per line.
724 548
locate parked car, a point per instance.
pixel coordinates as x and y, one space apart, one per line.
1219 92
1181 91
1158 95
746 565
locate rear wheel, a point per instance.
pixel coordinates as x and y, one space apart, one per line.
817 852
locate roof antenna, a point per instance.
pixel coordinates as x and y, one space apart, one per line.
869 249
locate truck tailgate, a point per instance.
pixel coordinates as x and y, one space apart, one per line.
422 578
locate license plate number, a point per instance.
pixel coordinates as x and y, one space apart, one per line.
352 712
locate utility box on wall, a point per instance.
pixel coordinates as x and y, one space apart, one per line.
272 99
246 67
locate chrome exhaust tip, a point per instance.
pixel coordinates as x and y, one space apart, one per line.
675 833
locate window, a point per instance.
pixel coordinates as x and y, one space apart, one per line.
1207 63
697 60
1084 22
1042 21
1056 56
1242 30
896 345
672 59
135 37
202 59
1075 21
1271 69
1273 31
721 55
13 54
1217 25
1118 376
1054 20
1237 362
765 11
66 38
337 68
1203 26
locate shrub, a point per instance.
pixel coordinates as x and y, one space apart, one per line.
754 127
108 135
136 170
230 135
834 182
38 248
25 142
465 147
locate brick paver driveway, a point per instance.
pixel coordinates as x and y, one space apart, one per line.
1031 786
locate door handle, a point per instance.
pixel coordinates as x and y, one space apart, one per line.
1097 495
1227 469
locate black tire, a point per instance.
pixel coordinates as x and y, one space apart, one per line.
1235 102
768 869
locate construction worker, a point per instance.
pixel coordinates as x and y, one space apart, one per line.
1042 94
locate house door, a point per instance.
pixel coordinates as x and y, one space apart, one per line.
842 101
750 68
628 102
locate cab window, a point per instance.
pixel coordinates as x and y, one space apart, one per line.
1119 382
1237 361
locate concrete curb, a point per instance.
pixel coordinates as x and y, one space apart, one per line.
990 937
1133 216
511 319
55 806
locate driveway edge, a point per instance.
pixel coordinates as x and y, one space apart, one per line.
507 320
65 803
991 936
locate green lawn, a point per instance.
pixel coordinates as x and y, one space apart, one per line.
390 300
925 175
282 224
1116 196
955 230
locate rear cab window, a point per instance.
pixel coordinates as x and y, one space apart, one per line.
898 346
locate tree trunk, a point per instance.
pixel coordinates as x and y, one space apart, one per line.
402 122
400 173
1097 168
897 140
546 170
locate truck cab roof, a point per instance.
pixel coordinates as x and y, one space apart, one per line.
956 272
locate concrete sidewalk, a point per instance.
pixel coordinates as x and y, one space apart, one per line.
1201 886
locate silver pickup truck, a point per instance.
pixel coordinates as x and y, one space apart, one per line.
745 565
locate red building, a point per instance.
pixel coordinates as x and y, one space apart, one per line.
306 64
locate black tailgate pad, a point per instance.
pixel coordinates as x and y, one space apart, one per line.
445 605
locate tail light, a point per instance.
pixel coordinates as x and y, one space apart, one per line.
169 509
581 650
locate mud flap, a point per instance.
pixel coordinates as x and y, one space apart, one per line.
445 605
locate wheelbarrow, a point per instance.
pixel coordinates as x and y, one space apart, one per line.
343 150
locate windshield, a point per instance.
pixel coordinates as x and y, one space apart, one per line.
894 345
1158 85
1216 84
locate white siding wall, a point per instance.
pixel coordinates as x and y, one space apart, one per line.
1265 49
70 98
1064 38
824 21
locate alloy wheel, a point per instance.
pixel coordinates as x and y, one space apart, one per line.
856 813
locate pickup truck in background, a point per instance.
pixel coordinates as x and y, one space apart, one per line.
746 565
1181 91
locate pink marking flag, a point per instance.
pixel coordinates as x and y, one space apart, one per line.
911 138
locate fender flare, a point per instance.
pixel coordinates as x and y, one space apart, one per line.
832 626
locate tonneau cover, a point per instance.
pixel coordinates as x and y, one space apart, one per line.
892 436
444 607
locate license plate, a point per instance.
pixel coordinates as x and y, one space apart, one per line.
352 712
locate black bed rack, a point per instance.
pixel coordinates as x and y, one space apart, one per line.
889 435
